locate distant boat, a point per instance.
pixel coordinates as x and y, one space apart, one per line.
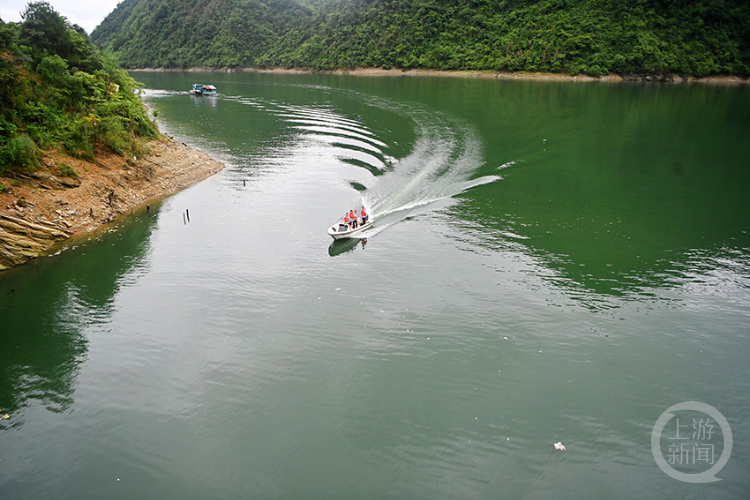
200 89
340 230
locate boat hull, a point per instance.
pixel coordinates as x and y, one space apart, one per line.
350 233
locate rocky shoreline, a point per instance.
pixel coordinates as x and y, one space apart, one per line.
43 208
499 75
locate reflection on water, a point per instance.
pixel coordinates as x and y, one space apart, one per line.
594 266
614 192
339 247
205 101
46 306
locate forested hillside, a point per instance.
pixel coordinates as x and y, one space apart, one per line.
572 36
57 90
182 33
597 37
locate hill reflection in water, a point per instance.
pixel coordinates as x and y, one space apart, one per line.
47 305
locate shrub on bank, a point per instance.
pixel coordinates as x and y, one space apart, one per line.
65 170
20 153
56 88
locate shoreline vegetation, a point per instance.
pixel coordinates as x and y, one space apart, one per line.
498 75
77 146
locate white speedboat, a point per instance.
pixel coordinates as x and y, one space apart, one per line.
340 230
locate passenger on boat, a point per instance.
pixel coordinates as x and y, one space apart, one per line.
353 218
347 223
364 216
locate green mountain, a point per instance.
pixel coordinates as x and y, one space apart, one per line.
597 37
181 33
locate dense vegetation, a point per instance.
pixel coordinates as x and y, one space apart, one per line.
58 90
691 37
571 36
182 33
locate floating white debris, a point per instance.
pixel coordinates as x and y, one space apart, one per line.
559 446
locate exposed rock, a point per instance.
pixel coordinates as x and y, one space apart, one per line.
81 205
21 240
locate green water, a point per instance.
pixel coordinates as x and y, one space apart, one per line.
549 262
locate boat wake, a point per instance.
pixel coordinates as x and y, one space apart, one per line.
442 164
157 93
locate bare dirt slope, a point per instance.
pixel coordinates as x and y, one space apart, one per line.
40 209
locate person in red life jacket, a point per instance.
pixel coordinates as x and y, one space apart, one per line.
353 218
347 221
344 224
364 216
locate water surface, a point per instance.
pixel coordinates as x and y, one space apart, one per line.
549 262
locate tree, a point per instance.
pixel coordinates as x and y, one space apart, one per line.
45 31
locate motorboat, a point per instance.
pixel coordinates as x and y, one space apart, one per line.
200 89
341 230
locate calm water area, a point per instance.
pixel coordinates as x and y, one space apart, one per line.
550 262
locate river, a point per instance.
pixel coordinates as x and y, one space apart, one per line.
550 262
